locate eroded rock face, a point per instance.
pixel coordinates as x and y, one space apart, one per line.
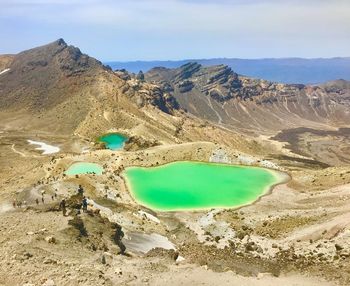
185 86
135 143
140 76
187 71
218 94
143 94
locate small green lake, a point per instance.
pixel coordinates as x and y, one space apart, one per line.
113 141
84 168
195 185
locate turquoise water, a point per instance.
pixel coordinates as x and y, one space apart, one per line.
113 141
84 168
195 185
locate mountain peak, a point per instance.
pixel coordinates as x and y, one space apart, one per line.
190 65
58 43
41 69
187 70
56 55
61 42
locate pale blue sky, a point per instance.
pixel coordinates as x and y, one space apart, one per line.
180 29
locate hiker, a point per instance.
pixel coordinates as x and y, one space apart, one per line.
14 203
119 234
37 201
85 204
42 199
52 197
80 190
19 204
63 207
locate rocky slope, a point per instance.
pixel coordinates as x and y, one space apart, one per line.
5 62
42 72
220 95
57 93
43 87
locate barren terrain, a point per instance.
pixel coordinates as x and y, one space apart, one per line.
298 234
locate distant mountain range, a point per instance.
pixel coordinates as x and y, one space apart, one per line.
77 94
288 70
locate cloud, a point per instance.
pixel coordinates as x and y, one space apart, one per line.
185 15
219 26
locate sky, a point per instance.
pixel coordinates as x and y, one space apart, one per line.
125 30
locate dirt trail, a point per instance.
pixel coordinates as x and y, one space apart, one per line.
18 152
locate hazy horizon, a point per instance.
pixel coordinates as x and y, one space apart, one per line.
149 30
225 58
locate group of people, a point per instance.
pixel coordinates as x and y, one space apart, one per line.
118 235
83 205
84 202
53 197
18 204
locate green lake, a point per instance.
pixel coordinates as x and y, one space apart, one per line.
195 185
84 168
113 141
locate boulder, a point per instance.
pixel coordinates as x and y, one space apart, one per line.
50 239
338 247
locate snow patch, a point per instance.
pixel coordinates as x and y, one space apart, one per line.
46 148
4 71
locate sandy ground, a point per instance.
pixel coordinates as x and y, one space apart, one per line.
185 275
296 235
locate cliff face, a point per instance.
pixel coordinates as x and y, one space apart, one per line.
143 93
218 94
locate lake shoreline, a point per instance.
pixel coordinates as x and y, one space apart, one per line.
280 178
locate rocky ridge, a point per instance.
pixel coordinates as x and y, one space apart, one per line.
57 80
218 94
